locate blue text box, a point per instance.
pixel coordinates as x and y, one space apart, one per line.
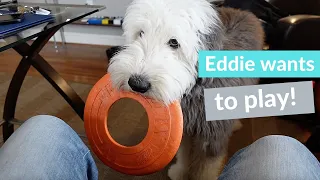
259 64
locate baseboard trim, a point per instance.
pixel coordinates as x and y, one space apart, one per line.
93 39
85 38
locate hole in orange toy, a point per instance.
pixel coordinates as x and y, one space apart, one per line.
127 122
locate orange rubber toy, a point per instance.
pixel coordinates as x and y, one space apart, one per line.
155 151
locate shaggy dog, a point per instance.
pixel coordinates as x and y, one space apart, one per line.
160 60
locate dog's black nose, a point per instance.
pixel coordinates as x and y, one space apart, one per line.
139 83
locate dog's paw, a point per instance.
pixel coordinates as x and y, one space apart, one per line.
237 125
176 172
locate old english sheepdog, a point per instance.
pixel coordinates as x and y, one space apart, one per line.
160 60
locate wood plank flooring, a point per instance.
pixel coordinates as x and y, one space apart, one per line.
79 63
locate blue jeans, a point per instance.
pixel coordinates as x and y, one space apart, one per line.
45 147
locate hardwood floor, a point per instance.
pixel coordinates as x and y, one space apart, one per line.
87 64
79 63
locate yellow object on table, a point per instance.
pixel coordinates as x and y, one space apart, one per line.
105 21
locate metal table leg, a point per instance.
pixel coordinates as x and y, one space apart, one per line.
31 57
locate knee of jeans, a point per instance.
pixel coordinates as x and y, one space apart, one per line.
46 123
285 144
277 153
278 140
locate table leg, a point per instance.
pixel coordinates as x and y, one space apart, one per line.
53 77
31 57
17 80
12 96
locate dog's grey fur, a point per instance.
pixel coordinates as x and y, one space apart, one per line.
242 31
239 31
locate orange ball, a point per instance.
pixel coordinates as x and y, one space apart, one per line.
156 150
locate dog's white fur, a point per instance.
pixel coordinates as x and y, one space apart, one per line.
171 72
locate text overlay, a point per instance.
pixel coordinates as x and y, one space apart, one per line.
259 101
259 64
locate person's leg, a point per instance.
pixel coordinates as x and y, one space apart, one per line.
273 158
46 148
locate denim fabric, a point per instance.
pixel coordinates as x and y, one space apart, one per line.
46 148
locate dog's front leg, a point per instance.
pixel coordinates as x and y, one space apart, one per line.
194 164
207 168
179 170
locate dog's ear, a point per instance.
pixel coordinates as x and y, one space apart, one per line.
212 40
113 51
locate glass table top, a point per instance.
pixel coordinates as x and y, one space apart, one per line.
63 14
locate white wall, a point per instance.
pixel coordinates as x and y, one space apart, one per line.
99 35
